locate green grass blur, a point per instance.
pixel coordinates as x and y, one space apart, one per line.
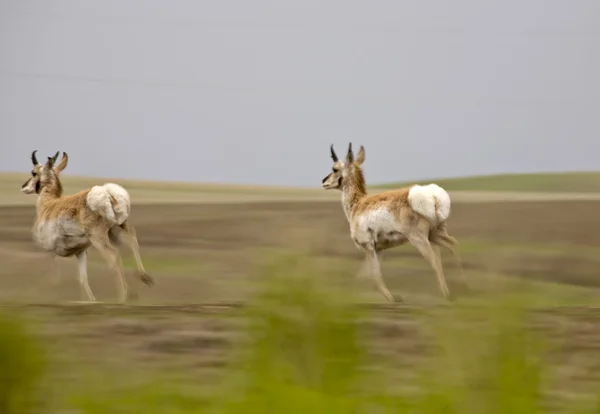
22 364
303 350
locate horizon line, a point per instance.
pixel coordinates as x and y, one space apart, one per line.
274 186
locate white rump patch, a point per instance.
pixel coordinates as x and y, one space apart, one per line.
99 201
431 201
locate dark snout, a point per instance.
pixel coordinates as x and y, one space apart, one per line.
25 184
322 182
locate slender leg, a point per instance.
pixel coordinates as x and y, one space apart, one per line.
437 253
444 240
364 269
86 291
135 247
122 282
422 244
372 258
113 258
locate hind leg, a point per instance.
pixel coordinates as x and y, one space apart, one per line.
128 235
111 254
441 238
421 242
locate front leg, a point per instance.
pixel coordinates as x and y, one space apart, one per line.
363 270
366 240
373 260
86 291
365 265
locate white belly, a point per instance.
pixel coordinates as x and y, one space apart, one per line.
379 226
63 237
378 220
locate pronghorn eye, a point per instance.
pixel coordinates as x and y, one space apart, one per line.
335 169
33 173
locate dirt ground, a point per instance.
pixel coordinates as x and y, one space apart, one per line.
206 252
211 254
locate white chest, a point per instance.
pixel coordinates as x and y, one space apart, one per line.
45 233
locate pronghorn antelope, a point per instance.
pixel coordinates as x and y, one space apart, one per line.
416 214
68 225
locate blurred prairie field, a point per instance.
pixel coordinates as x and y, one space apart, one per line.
256 308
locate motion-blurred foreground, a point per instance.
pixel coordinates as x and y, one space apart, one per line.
284 326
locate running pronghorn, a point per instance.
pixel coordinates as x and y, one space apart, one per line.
68 225
416 214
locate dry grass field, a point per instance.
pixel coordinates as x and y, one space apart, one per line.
206 247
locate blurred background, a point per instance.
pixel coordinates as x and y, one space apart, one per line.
217 118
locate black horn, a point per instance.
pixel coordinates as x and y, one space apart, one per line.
350 155
34 158
56 156
333 156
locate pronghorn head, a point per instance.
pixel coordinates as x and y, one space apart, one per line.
44 174
341 171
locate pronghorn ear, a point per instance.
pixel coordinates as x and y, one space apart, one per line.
360 157
350 155
62 164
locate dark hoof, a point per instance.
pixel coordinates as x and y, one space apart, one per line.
147 279
393 299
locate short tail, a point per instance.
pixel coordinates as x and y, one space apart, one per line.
431 201
110 201
442 203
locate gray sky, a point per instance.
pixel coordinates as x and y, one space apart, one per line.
255 91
